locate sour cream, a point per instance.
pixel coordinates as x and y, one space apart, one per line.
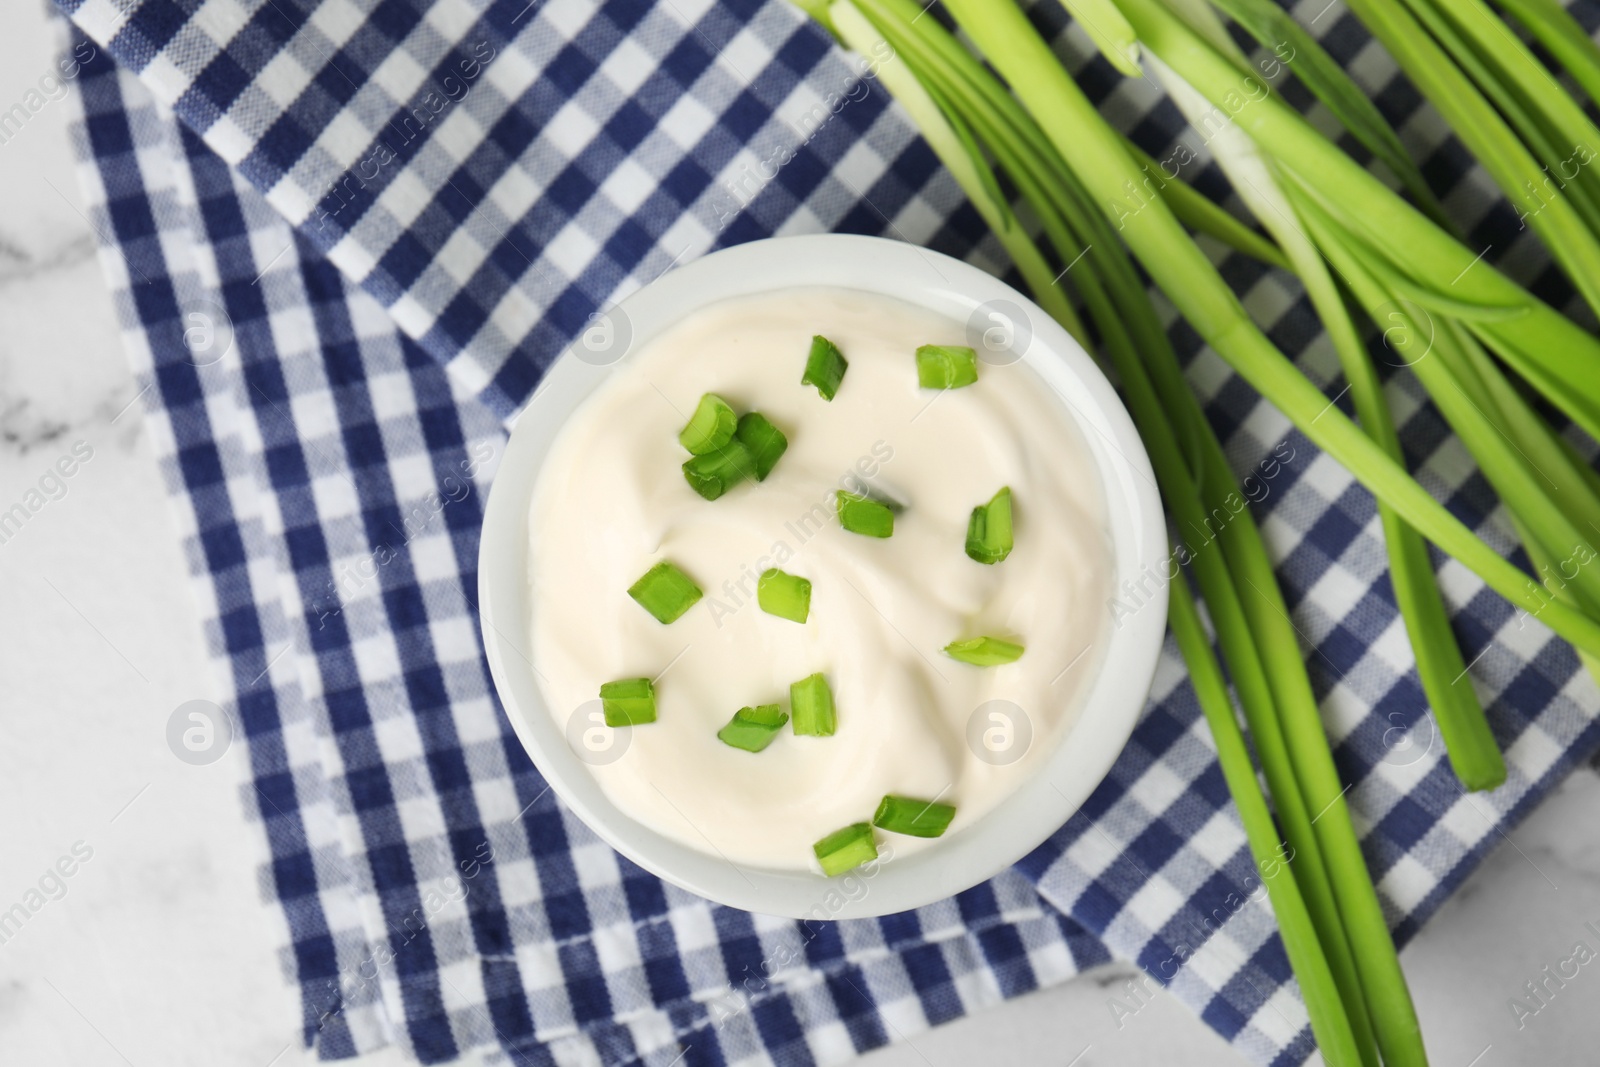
611 501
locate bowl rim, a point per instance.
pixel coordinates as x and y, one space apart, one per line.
1082 755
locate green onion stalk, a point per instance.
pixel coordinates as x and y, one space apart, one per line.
1509 112
1337 1023
1563 37
1275 29
1204 216
1453 373
1561 514
1554 475
1342 952
1081 136
1003 34
1470 745
952 142
1551 495
1300 941
1551 352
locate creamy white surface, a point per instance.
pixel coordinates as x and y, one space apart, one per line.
611 501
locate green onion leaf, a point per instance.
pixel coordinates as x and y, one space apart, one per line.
847 849
812 703
630 702
825 367
753 729
1563 36
665 592
1276 29
715 473
984 651
1110 33
764 440
946 366
1302 941
710 427
952 141
989 530
787 596
864 515
1013 46
916 818
1007 38
1203 215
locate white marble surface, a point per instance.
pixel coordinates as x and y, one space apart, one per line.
161 951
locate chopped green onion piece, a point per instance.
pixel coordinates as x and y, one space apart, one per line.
989 529
715 473
825 367
917 818
864 515
946 366
812 703
847 849
665 592
787 596
764 440
984 651
753 729
630 702
710 427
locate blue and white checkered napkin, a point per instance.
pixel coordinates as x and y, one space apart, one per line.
345 238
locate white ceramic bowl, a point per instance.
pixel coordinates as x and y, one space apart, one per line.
1082 755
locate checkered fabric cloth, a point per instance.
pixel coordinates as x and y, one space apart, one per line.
344 239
